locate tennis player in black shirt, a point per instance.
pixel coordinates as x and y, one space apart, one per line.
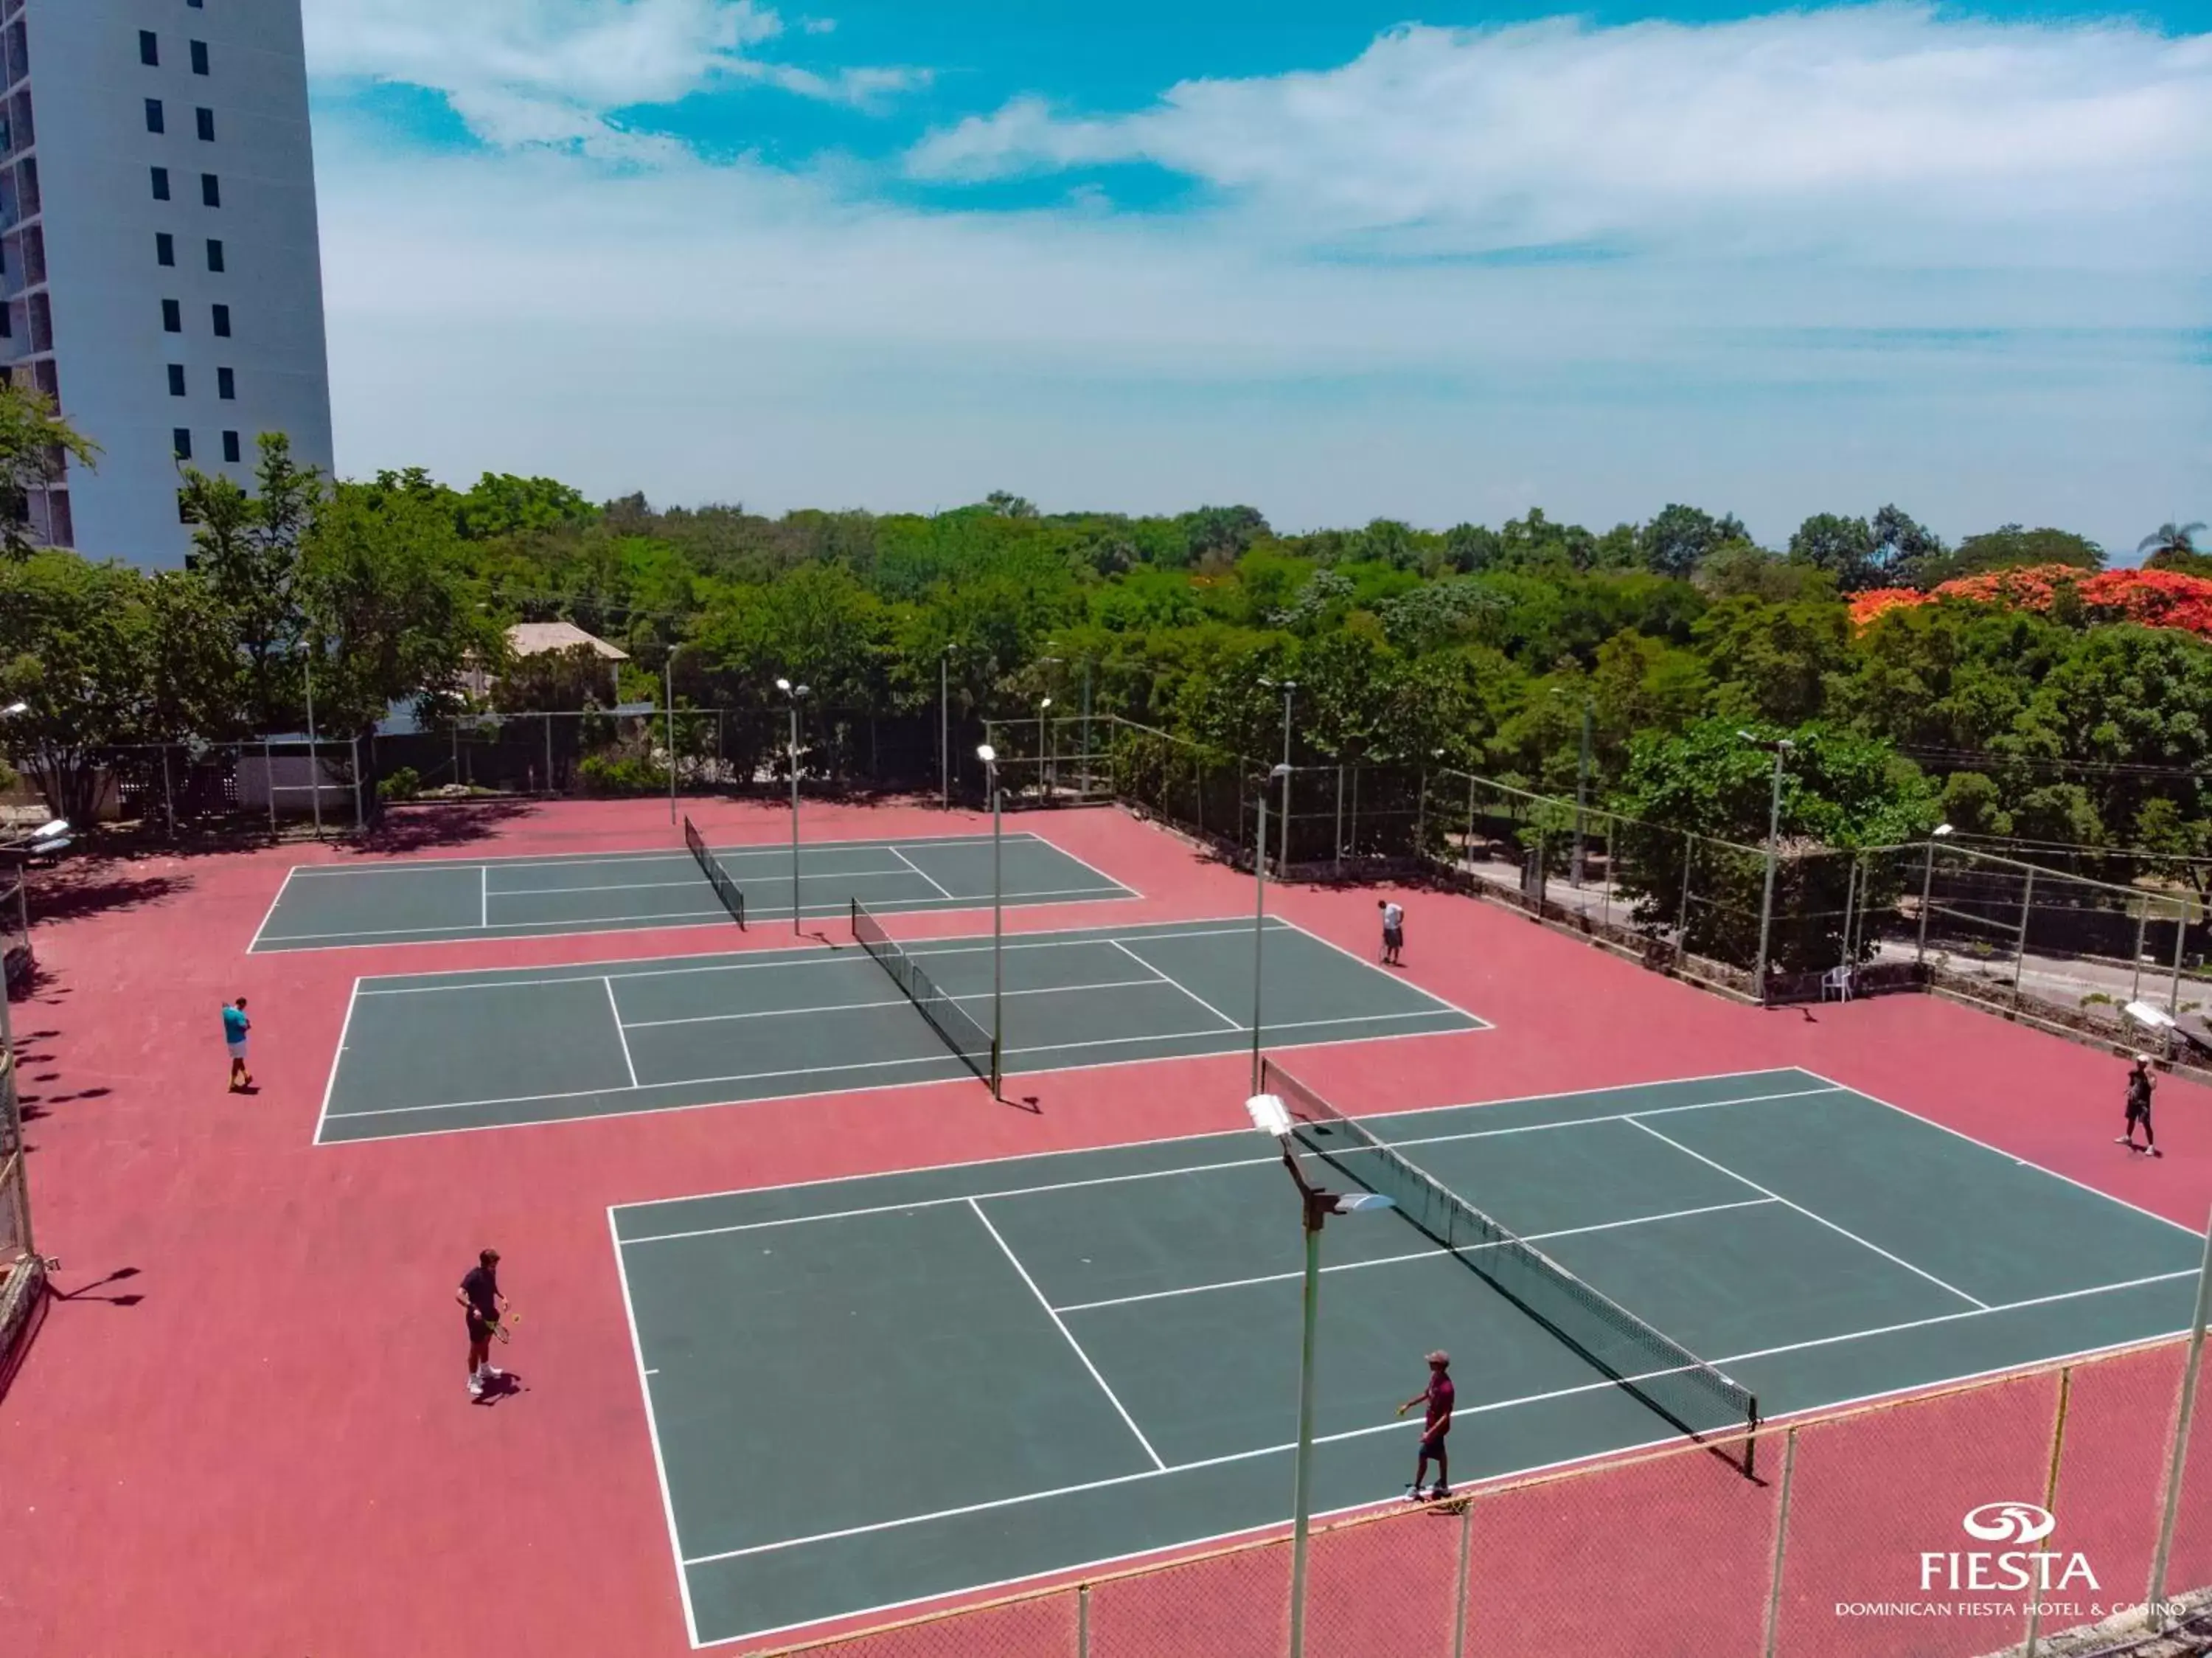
482 1302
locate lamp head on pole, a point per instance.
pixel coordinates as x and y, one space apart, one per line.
986 754
1942 830
1777 744
16 708
1279 770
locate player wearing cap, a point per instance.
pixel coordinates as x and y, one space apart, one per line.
2141 1081
1437 1396
481 1301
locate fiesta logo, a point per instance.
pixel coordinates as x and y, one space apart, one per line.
2010 1522
2020 1567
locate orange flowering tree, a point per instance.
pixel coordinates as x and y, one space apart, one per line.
2155 598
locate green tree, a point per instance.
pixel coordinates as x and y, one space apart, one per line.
73 651
246 549
1773 662
36 445
1681 538
1838 791
2173 547
2010 548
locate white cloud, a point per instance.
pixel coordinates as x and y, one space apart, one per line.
1767 130
551 71
720 332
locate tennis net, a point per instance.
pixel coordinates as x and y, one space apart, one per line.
1656 1368
732 895
959 1028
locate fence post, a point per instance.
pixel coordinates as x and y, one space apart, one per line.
1605 907
2049 1498
1082 1620
1781 1545
360 811
2154 1613
1682 915
168 804
1467 851
1421 816
1459 1593
1337 862
2019 946
2142 922
1355 811
2174 994
269 773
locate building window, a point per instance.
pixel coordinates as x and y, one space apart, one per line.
210 191
199 57
222 321
161 184
173 317
225 386
150 49
154 122
176 380
7 329
181 440
215 254
230 448
196 5
204 119
165 248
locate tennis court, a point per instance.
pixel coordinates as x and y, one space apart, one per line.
867 1393
424 900
433 1052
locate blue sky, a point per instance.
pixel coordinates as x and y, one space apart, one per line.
1339 261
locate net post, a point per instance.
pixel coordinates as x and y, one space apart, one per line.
1780 1546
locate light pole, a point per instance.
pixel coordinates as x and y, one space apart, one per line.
1928 886
989 756
944 726
793 693
1271 1117
1044 726
1287 686
1782 747
1260 914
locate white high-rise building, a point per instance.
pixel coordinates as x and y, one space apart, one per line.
158 253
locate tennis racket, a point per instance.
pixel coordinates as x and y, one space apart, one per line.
504 1329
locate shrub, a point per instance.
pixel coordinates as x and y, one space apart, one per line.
621 774
405 784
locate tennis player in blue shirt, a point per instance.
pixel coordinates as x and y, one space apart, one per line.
235 1025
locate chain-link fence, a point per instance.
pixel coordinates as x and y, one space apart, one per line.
1957 1522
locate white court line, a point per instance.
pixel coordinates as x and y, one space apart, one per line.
1396 979
283 886
1168 979
621 1035
1086 863
1243 1135
1428 1254
583 925
910 1060
655 886
1267 1160
572 860
652 1434
923 873
484 902
888 1001
1120 1409
1823 1220
330 1082
960 1078
1999 1151
768 961
1395 1425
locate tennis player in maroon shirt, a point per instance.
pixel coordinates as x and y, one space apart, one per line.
1437 1396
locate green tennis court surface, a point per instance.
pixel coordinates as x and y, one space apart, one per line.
867 1393
431 1052
424 900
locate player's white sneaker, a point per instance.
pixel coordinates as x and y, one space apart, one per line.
476 1387
493 1373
